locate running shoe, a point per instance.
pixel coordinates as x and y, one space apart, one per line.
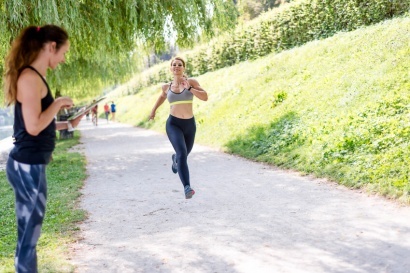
174 163
189 192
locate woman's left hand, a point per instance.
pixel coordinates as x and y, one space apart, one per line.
185 84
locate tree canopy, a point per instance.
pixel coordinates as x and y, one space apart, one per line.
108 36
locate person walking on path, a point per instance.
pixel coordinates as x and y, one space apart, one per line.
106 111
113 110
94 114
34 51
181 126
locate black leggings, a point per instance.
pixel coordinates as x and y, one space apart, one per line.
181 133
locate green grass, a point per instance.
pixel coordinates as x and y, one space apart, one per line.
337 108
65 177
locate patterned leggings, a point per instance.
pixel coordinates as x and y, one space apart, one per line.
30 187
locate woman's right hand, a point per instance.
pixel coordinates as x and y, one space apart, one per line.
152 116
65 102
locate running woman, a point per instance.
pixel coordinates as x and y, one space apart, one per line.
180 126
34 51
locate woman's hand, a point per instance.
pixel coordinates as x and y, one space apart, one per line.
65 102
76 121
70 124
151 116
185 83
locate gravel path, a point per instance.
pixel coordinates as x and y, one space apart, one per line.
245 217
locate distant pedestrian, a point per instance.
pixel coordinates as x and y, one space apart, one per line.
106 111
113 111
32 53
94 114
181 126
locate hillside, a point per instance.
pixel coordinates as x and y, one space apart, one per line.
336 108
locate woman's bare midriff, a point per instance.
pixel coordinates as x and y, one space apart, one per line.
183 111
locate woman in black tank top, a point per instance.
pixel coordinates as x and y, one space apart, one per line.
34 51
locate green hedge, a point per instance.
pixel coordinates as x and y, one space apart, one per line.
280 29
294 25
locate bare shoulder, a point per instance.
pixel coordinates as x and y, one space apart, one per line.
28 75
193 82
28 81
165 87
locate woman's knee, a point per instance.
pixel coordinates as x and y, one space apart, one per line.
182 157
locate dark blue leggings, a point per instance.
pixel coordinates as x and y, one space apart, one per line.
181 133
30 187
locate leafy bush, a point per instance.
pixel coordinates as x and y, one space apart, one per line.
292 26
280 29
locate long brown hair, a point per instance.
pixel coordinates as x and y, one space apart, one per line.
24 50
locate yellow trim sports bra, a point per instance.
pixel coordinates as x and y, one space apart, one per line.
179 98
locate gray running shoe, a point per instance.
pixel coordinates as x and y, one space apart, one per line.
189 192
174 163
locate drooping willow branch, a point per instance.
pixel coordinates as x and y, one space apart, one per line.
104 33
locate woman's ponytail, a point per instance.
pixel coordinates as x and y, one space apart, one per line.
24 50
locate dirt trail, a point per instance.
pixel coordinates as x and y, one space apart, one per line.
245 217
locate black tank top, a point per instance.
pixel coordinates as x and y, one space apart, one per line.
33 149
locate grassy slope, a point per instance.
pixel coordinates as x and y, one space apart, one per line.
65 177
337 108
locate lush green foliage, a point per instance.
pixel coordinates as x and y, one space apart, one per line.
250 9
283 28
107 36
336 108
65 176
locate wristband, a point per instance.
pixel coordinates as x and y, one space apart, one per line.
189 89
70 127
